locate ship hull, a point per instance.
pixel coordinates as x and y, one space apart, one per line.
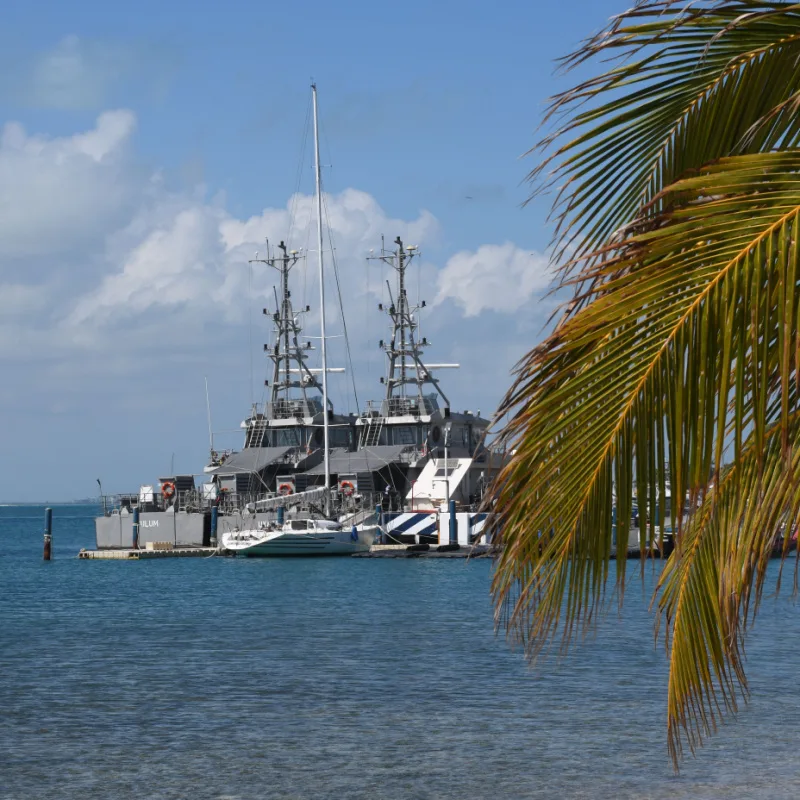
181 529
334 543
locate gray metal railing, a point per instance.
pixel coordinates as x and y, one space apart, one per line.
401 407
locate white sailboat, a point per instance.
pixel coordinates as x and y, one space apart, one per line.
307 536
300 537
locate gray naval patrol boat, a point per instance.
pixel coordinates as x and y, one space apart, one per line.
283 439
290 433
404 463
404 457
415 454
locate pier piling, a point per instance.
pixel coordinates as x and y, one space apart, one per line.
379 515
214 518
135 528
48 533
451 507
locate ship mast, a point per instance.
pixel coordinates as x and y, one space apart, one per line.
403 350
287 350
318 171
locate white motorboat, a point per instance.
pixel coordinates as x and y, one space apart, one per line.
301 537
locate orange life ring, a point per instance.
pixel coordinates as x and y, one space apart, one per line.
168 489
347 488
285 488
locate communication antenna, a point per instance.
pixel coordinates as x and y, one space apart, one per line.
208 412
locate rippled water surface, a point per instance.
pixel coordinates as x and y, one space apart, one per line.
317 678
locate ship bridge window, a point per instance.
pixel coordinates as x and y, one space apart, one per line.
339 437
404 434
287 437
299 525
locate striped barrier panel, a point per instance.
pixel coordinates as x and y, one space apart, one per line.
433 523
413 523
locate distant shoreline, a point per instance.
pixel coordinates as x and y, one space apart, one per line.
88 501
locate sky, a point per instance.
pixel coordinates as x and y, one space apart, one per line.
147 150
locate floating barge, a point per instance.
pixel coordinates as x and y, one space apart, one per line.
129 554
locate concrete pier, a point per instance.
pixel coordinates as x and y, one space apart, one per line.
140 555
420 551
376 551
451 551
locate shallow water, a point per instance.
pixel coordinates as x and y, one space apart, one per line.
317 678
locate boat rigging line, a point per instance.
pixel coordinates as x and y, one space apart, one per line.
341 306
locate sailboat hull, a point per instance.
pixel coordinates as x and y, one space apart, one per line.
327 543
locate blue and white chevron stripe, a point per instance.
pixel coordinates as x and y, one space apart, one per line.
427 523
477 523
412 523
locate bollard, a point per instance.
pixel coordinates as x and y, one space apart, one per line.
135 528
48 533
280 515
453 523
214 516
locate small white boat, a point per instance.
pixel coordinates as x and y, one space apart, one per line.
301 537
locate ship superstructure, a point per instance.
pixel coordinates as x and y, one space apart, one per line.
414 452
284 436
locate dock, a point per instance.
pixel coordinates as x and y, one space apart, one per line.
376 551
140 555
425 551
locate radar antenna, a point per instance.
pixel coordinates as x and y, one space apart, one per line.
403 351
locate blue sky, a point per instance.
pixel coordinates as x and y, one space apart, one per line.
147 148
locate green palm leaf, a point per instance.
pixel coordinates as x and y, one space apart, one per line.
706 592
686 350
696 83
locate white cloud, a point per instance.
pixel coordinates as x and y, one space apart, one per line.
124 261
496 277
194 254
117 292
56 193
175 264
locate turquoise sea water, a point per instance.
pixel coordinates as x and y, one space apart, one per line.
339 678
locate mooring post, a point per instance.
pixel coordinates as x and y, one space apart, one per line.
48 533
214 516
379 516
136 528
453 523
280 515
613 526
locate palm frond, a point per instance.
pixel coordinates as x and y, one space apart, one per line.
688 351
696 82
706 589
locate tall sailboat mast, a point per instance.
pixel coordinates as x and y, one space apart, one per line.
318 171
